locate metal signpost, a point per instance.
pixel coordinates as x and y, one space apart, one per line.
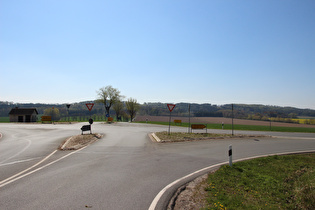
232 120
90 106
170 107
189 131
68 106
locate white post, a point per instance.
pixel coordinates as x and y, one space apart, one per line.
230 155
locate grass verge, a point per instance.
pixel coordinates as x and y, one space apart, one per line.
245 127
275 182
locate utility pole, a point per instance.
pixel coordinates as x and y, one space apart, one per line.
232 120
189 118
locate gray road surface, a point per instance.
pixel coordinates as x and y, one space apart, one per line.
123 170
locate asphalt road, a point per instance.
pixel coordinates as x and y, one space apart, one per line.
123 170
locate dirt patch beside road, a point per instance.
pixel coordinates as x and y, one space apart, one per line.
79 141
179 137
190 196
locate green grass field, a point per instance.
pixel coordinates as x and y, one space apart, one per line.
252 185
4 119
245 127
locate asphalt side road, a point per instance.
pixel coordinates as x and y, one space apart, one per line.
123 170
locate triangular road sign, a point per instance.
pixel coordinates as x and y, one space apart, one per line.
89 106
171 107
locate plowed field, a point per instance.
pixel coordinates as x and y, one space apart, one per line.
219 120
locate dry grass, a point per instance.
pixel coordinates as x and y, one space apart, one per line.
79 141
179 136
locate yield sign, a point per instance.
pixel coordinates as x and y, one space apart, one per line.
89 106
171 107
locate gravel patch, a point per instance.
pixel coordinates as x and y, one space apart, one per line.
79 141
191 196
163 137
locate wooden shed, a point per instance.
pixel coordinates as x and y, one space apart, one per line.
23 115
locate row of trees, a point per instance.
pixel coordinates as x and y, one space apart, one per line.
109 96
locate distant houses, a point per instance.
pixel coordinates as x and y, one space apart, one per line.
23 115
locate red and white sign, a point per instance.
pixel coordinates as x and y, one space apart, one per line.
89 106
171 107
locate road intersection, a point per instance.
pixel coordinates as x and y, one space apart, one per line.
123 170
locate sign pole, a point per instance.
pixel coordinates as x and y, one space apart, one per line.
189 118
90 106
170 107
169 125
68 106
232 121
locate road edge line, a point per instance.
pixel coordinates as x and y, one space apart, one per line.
160 194
40 168
22 172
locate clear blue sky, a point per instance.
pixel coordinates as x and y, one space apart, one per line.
201 51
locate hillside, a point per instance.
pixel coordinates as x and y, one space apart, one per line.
241 111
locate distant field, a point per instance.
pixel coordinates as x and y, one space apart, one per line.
305 121
305 117
216 123
244 127
219 120
4 119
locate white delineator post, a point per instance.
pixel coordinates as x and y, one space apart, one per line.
230 155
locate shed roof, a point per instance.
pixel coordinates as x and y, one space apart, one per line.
23 111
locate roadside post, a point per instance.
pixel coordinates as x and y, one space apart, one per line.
222 125
170 107
230 155
91 122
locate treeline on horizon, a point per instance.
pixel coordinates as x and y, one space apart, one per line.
240 111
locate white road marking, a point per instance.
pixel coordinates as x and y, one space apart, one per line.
160 194
18 153
19 161
3 181
13 179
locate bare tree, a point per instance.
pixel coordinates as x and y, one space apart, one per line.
132 107
108 96
118 107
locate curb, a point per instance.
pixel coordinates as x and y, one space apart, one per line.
66 142
290 137
205 170
153 137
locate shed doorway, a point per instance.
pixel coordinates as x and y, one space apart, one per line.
20 119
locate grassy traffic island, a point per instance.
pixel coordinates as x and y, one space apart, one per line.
180 136
274 182
79 141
